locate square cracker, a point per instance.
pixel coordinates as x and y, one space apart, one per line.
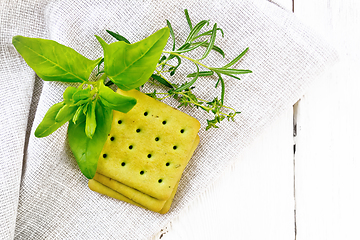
148 147
100 188
131 195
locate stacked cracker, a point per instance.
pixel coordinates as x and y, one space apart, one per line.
146 153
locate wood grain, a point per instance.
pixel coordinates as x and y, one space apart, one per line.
314 194
327 166
252 199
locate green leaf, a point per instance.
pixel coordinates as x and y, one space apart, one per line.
90 125
201 74
86 150
53 61
81 94
99 64
211 43
171 33
194 46
228 71
189 84
188 18
86 105
161 80
48 125
209 33
68 94
66 112
114 100
117 36
131 65
215 48
222 89
196 30
77 114
235 60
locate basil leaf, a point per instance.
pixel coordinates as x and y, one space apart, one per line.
81 94
68 94
130 65
66 112
53 61
90 125
48 125
114 100
85 107
86 150
76 116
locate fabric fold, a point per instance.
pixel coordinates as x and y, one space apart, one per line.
54 201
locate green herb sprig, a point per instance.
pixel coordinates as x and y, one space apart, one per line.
88 107
183 93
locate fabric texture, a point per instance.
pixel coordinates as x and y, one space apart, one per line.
42 191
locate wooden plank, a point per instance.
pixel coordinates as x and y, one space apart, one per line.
252 199
327 180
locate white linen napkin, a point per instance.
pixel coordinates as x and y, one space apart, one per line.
42 191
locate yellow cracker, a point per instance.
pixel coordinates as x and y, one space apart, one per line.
144 200
148 147
102 189
132 194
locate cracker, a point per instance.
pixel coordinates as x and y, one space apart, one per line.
102 189
125 193
147 148
132 194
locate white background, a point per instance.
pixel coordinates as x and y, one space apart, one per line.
270 192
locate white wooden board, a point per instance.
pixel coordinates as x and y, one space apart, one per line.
327 166
270 193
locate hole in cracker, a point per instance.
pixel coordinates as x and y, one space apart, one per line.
119 122
112 139
138 130
157 139
164 122
123 164
104 155
131 147
146 113
149 155
182 130
160 180
167 164
142 172
174 147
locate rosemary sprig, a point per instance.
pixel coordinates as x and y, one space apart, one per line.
183 93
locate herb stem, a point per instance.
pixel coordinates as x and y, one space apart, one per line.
188 58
